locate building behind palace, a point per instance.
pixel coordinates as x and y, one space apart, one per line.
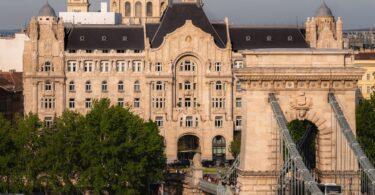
11 97
170 64
366 85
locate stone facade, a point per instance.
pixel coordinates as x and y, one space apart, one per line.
196 78
366 85
139 11
78 5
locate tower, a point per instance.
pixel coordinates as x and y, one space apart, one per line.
323 31
78 5
43 78
140 11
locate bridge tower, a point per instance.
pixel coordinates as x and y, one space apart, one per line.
301 82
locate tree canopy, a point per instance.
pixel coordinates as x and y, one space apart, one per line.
108 150
366 126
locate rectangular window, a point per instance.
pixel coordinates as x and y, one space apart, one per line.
72 66
217 67
158 67
238 86
187 102
189 121
88 51
47 103
120 51
158 102
48 86
137 103
238 122
159 121
120 66
238 102
88 66
88 103
179 103
104 66
137 65
72 103
218 102
238 64
120 102
48 122
218 121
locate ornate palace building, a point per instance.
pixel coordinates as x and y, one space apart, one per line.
168 62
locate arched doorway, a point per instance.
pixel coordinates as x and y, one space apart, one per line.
188 145
218 150
304 134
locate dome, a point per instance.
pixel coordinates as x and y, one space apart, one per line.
324 11
47 10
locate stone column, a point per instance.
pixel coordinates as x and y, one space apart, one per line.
228 101
35 102
256 170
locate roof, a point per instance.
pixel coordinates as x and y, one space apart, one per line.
324 10
104 37
365 56
243 38
11 81
47 10
151 30
176 15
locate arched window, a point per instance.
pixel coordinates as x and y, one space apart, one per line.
127 9
138 9
47 67
104 86
72 86
88 86
137 86
187 85
120 86
159 86
219 85
149 8
219 148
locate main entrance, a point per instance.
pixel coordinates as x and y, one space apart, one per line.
188 145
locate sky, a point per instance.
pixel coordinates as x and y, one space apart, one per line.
14 14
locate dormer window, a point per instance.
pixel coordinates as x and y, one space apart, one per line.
290 38
124 38
269 38
82 38
248 38
104 38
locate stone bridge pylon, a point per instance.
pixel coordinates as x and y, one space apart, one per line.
302 93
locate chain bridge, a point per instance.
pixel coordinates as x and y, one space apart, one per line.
350 174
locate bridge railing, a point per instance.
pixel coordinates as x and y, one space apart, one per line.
294 178
365 173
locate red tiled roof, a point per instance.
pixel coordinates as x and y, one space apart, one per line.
365 56
11 81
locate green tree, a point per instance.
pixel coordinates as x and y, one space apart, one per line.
8 153
27 136
365 116
61 155
120 152
235 146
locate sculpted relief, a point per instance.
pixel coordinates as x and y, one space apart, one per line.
300 105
